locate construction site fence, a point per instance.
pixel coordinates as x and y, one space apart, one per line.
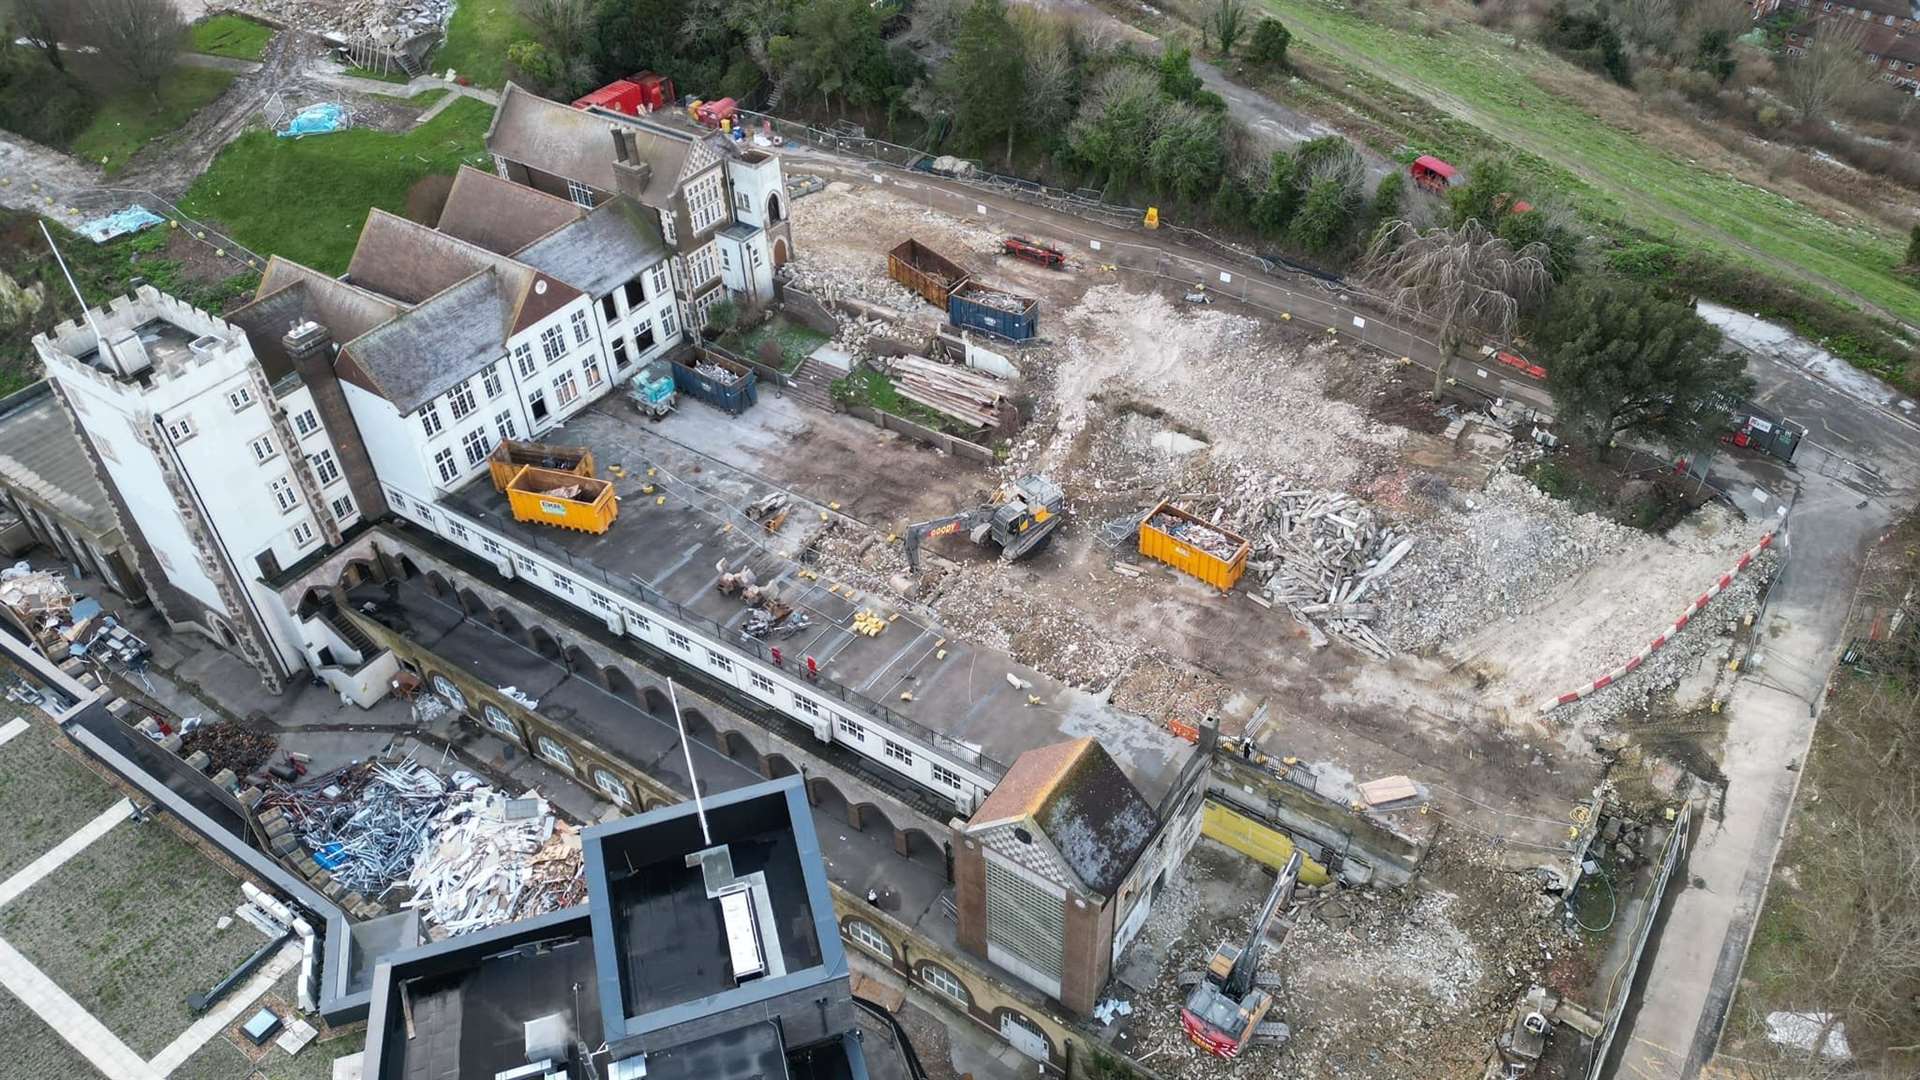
1620 988
215 240
634 589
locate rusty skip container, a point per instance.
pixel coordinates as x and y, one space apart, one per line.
925 271
512 455
562 499
1192 546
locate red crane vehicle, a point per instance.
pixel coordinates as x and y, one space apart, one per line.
1052 258
1227 1007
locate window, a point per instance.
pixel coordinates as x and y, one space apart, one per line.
458 530
430 420
303 534
553 344
899 753
726 258
600 600
306 423
636 293
581 330
851 728
461 402
475 444
342 507
806 705
445 689
537 406
643 335
490 381
608 311
443 464
503 423
556 753
563 585
678 640
637 622
325 469
703 202
669 319
944 775
239 399
719 663
263 448
659 277
945 982
581 194
490 545
527 566
620 358
592 367
864 934
615 788
181 429
700 268
565 392
397 500
284 496
498 720
761 684
523 359
667 231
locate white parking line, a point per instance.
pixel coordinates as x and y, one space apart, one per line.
229 1010
68 1020
30 874
12 728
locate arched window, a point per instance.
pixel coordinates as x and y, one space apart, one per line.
868 936
449 693
498 720
556 753
615 787
946 982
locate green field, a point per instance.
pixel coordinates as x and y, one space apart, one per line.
129 119
477 38
45 794
306 198
229 35
1485 80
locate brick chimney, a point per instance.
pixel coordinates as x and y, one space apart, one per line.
311 348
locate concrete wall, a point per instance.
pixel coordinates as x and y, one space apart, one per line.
951 444
1346 844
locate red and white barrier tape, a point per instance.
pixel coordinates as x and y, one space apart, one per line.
1679 624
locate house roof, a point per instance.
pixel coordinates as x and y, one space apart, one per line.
410 262
500 215
1090 812
41 455
290 294
412 359
579 145
599 253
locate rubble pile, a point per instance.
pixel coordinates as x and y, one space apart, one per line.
1197 534
1324 555
489 859
1491 555
833 285
388 21
364 823
228 746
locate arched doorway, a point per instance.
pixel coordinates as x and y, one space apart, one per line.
779 251
776 210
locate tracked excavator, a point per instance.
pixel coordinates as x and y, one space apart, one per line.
1228 1003
1022 515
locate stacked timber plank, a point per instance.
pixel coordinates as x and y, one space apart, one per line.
1323 554
969 396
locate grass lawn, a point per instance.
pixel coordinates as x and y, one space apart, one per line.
423 100
1619 176
392 75
33 1049
796 340
229 35
477 38
44 794
126 927
306 198
129 118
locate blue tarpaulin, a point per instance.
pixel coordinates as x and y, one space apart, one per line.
316 120
131 220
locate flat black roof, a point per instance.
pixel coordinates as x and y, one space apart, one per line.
471 1022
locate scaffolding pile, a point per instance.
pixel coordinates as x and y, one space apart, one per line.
364 823
490 859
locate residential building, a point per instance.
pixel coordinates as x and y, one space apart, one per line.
48 482
707 950
721 206
1889 31
1056 871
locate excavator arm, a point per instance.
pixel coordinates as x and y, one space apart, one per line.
940 526
1246 966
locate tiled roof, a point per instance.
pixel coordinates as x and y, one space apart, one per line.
579 145
1090 812
500 215
434 347
612 246
41 454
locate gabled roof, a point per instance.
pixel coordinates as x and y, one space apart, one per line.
598 254
579 144
500 215
410 262
41 454
1084 804
432 348
290 294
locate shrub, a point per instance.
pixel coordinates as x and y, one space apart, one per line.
1270 41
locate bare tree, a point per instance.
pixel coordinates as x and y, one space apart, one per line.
1462 280
140 37
1650 24
1227 24
1046 40
1731 17
1830 73
44 23
757 22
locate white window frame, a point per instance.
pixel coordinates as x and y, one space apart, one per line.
325 468
474 443
523 360
806 705
582 326
304 534
899 752
679 641
444 464
180 429
565 390
553 753
761 683
581 194
460 401
263 449
430 420
851 728
342 507
239 398
944 775
305 423
499 721
491 382
591 365
449 691
612 786
719 662
505 424
867 936
284 495
553 344
947 984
